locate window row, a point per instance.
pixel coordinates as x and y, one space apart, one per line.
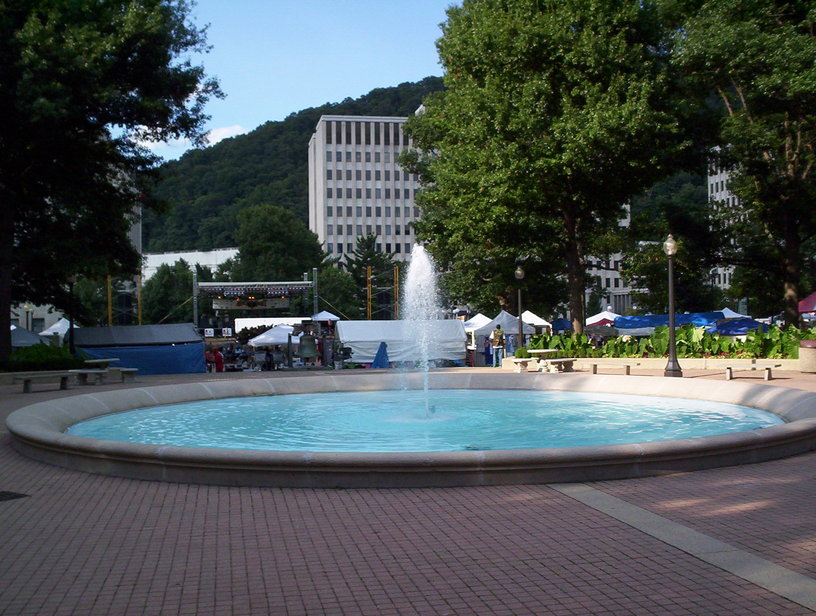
349 247
358 211
359 157
377 174
378 193
369 229
353 132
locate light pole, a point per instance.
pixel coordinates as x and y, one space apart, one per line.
71 281
672 367
28 307
519 273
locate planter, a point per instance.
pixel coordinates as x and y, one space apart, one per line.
807 355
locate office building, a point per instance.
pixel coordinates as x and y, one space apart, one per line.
357 187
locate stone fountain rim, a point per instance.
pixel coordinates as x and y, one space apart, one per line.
38 432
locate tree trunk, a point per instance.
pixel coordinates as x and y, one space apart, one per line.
792 275
6 256
576 273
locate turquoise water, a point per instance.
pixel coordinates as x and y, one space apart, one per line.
393 421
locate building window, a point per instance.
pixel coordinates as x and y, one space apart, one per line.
387 247
387 157
328 173
368 193
348 193
617 283
357 140
377 133
368 229
358 157
328 157
349 247
329 211
387 193
348 229
398 247
378 175
388 211
368 154
388 229
608 280
348 211
348 174
378 211
387 175
340 248
396 175
328 133
378 247
329 192
378 193
368 174
397 211
408 248
329 229
348 156
368 211
329 248
379 229
358 174
339 229
358 211
376 157
397 230
358 193
359 230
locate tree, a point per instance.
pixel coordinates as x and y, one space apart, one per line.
758 58
366 255
555 114
274 245
337 291
167 295
82 85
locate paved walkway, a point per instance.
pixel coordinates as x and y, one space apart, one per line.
734 541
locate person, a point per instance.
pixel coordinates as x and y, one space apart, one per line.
209 359
277 358
260 360
488 354
497 340
218 360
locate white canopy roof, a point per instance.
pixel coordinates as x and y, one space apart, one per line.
250 322
476 321
730 314
60 327
325 315
274 336
508 323
606 315
533 319
446 339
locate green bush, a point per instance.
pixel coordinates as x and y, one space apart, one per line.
522 353
41 357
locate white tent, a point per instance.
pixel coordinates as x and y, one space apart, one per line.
60 327
730 314
598 319
475 322
508 323
325 315
276 335
447 339
532 319
250 322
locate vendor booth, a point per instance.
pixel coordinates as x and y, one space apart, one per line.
153 349
446 339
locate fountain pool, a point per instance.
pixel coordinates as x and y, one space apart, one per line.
39 431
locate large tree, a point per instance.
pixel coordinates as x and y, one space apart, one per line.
82 86
556 113
759 58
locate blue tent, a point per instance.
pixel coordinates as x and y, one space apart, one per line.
381 358
737 327
153 349
561 325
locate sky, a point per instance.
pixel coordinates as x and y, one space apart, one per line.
276 57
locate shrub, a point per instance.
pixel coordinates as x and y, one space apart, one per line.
41 357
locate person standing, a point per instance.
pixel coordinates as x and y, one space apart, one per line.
497 341
218 359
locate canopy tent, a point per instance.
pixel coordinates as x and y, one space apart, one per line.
808 304
533 319
475 322
275 336
446 339
21 337
174 348
508 323
737 327
602 318
250 322
644 325
730 314
561 325
325 315
60 328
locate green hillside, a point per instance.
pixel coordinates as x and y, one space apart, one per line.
205 189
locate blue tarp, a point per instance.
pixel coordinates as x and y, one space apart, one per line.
561 325
737 327
381 358
699 319
155 359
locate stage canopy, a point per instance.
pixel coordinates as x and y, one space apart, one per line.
276 336
446 339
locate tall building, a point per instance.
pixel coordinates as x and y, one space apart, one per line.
718 193
356 186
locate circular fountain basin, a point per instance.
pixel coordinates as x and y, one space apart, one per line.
39 432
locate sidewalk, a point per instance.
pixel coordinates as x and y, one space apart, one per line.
732 541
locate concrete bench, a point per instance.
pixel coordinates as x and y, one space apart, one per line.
128 374
520 364
729 370
83 374
557 364
627 368
28 378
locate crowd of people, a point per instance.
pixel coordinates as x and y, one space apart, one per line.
244 359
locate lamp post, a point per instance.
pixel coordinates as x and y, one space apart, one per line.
71 281
672 367
519 273
28 307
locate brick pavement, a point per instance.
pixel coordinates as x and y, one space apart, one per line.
87 545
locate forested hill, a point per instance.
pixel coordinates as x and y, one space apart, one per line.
207 188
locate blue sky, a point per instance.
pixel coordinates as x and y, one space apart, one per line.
276 57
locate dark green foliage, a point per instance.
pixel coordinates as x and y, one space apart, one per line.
207 189
41 357
365 255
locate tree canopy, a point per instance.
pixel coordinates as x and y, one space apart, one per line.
759 59
555 114
82 86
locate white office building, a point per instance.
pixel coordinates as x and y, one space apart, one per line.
718 194
356 186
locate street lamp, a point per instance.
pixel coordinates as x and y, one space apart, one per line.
28 307
519 273
672 367
71 281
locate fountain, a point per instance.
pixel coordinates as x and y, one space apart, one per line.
421 304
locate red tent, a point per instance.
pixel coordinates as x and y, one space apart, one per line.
808 304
